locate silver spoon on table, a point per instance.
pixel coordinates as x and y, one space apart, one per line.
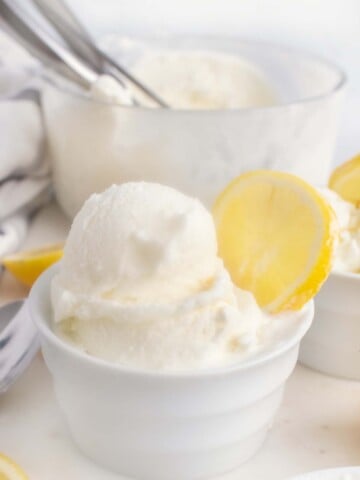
19 342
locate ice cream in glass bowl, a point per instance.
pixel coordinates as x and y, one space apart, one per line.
332 344
225 95
170 331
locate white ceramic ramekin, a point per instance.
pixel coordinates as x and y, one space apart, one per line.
347 473
162 426
332 345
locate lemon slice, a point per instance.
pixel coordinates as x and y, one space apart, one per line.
28 265
345 180
9 470
275 237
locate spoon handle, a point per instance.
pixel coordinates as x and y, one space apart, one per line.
42 45
78 38
19 342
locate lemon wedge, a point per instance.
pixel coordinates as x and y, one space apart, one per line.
275 237
28 265
345 180
9 470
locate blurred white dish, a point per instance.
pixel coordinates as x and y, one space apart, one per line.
347 473
157 426
95 144
332 345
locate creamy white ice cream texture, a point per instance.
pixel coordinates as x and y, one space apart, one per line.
141 285
107 89
198 80
347 246
205 80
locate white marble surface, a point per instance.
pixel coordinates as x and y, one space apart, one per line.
318 425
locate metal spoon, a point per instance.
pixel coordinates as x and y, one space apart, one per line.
79 59
65 22
43 46
19 342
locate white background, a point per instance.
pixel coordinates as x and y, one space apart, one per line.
327 27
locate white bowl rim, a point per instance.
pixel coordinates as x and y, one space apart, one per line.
343 274
328 471
339 85
45 330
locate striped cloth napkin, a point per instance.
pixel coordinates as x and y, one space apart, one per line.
24 170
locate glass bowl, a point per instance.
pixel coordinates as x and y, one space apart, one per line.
94 144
